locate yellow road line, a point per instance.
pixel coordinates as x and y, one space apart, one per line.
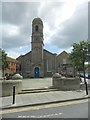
41 107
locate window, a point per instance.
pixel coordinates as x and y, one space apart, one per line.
64 61
27 67
36 28
49 65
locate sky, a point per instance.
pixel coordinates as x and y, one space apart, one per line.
65 22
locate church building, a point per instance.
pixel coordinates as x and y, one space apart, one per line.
39 62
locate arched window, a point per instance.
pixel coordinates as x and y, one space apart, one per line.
36 28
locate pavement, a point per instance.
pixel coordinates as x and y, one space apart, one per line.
40 95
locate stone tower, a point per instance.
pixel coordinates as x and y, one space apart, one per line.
37 48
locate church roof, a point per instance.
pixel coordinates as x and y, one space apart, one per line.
37 20
49 52
64 52
24 55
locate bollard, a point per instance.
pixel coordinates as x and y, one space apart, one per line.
13 94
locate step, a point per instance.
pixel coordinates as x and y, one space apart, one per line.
37 90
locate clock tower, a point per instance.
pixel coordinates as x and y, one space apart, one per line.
37 48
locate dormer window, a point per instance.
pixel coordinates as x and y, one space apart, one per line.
36 28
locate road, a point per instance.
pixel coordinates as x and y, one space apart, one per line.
74 109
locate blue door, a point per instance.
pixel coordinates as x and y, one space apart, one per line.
36 72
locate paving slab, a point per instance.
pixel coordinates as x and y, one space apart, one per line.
41 98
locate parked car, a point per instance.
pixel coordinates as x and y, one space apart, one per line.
86 75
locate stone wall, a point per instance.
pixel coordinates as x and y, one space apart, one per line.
7 87
64 83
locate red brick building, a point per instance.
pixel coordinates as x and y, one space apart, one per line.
12 63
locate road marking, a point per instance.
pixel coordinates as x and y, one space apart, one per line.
41 107
41 116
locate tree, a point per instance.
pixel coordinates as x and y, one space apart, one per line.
78 57
4 62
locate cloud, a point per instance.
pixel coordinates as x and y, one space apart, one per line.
64 23
16 19
18 12
21 14
73 29
15 52
11 12
10 30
